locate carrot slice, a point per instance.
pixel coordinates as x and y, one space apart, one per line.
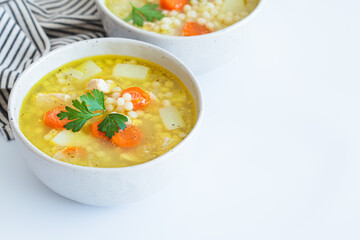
52 120
127 138
72 151
94 129
173 4
139 98
193 29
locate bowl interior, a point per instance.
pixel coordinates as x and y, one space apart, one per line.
104 9
114 46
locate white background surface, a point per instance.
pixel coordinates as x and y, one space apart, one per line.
278 157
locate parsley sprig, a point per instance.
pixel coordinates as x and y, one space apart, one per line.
84 111
148 12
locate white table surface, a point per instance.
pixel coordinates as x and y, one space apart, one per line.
278 157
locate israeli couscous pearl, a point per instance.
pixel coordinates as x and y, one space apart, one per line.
210 5
221 17
177 22
168 94
228 20
182 134
115 95
120 109
109 107
116 89
153 97
186 8
201 21
126 96
164 27
214 11
210 25
166 20
120 101
181 16
132 114
166 103
149 24
128 106
237 18
192 14
109 100
206 14
173 13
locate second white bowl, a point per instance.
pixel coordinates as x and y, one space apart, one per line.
103 186
201 53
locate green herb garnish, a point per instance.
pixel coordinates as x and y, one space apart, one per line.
84 111
112 123
148 12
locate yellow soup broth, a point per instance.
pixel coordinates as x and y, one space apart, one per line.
70 81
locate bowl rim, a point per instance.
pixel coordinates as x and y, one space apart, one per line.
20 136
129 27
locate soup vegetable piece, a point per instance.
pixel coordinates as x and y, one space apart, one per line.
107 111
181 17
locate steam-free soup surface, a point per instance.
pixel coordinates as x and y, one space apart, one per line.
163 123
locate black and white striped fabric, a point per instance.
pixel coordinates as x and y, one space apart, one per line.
32 28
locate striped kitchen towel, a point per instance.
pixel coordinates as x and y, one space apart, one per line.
32 28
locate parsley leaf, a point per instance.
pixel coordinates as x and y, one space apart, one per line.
95 101
83 111
148 12
136 17
112 123
81 116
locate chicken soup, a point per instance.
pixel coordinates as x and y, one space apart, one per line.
181 17
107 111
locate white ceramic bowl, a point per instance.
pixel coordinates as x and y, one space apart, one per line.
103 186
201 53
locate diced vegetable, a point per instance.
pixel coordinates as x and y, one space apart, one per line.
171 118
74 73
69 153
69 138
98 84
235 6
51 134
127 138
51 118
194 29
48 98
71 73
94 129
173 4
139 98
130 71
89 69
